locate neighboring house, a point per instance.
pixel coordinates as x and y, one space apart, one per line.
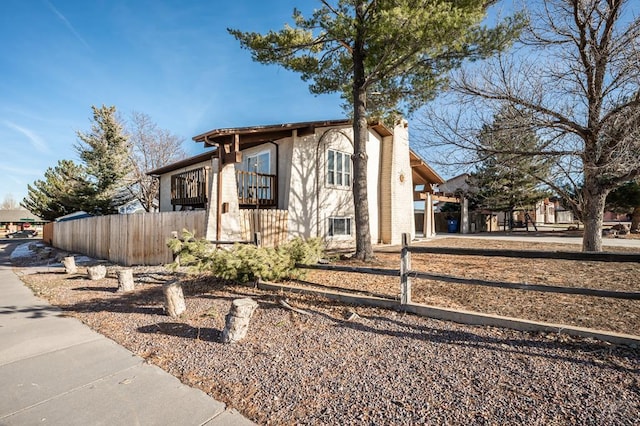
73 216
451 191
305 169
457 184
17 220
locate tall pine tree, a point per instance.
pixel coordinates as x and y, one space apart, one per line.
382 56
626 199
104 152
504 180
56 194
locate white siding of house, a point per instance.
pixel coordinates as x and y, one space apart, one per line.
285 151
310 200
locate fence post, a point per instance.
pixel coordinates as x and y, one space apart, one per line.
405 267
257 239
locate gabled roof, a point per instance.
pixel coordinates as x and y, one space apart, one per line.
255 135
17 215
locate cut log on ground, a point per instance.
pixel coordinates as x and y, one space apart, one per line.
69 263
237 320
173 299
125 280
97 272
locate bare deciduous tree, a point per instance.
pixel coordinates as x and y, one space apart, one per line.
9 203
576 73
151 148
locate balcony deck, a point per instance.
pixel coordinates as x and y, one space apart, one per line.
255 190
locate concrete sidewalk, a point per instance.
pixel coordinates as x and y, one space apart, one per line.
55 370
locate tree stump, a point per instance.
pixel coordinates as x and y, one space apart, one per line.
173 299
97 272
125 280
237 320
69 263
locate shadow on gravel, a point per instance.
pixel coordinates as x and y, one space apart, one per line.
590 354
147 301
182 330
102 289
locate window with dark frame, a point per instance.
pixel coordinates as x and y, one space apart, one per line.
339 226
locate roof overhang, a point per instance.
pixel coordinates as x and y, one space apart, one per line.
248 137
422 173
256 135
184 163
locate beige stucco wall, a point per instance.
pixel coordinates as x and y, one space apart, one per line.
302 194
230 219
374 164
311 201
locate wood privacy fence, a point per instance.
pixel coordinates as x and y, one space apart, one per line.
141 238
131 239
271 224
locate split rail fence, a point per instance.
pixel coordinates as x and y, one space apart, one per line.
406 274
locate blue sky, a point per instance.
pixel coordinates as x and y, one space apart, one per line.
170 59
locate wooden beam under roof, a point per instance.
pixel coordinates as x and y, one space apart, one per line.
260 134
422 173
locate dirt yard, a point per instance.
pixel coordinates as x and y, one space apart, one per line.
355 365
617 315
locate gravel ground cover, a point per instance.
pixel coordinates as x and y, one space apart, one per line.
356 365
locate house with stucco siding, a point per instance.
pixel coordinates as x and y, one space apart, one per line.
305 169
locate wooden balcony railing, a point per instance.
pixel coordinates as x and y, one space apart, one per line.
190 188
256 189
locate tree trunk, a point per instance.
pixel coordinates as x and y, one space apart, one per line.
593 216
125 280
237 320
635 219
173 299
97 272
69 263
364 250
